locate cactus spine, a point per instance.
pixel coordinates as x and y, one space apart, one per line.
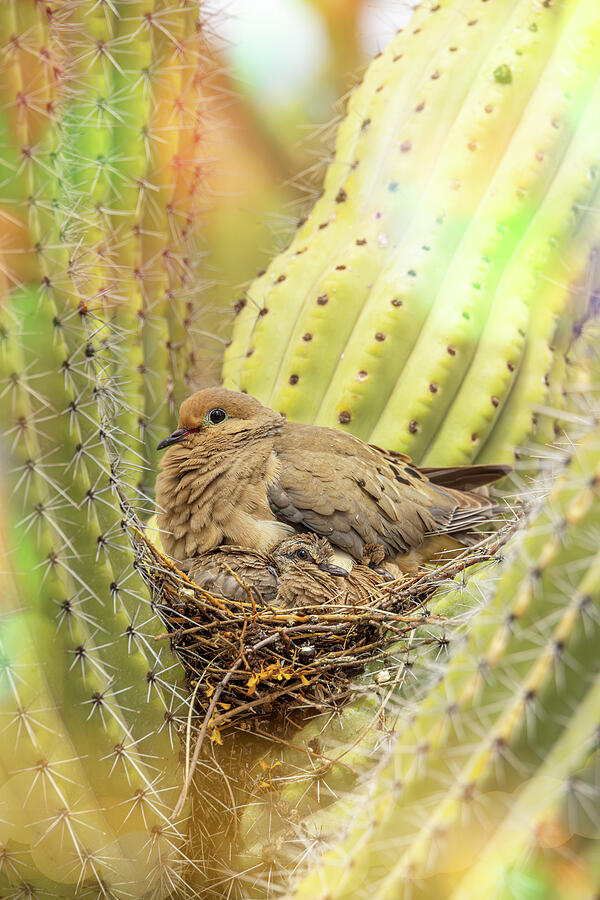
456 224
100 136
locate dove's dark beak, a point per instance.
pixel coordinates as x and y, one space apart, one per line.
333 570
172 439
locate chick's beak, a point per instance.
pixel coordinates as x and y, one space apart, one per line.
172 439
333 570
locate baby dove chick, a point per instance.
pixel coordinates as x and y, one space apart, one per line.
307 575
232 572
237 472
300 571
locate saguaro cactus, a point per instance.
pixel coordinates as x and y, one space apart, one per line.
100 185
418 303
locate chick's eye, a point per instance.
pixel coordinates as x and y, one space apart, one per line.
215 416
302 554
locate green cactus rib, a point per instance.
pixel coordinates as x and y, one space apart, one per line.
423 281
510 695
89 767
541 796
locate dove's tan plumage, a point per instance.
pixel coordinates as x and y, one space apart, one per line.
255 478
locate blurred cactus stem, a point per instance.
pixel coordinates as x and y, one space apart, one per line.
418 304
101 166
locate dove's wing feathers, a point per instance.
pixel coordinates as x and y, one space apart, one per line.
356 494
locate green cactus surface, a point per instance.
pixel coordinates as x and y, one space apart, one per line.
100 188
418 304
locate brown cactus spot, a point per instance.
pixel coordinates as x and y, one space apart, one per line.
361 242
433 388
489 108
435 75
323 225
294 379
365 124
260 273
379 89
280 279
300 221
495 402
344 417
307 337
362 375
420 107
396 301
451 350
539 156
263 312
341 196
435 8
239 305
413 426
396 58
472 22
416 31
380 336
322 299
452 49
340 268
472 145
474 438
510 366
406 146
250 352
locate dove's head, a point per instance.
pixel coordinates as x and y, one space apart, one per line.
216 418
305 555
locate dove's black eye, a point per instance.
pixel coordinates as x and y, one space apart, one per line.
216 416
302 554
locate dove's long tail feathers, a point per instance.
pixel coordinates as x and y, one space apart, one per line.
465 478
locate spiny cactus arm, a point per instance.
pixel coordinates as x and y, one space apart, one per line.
527 658
539 799
90 716
369 191
455 267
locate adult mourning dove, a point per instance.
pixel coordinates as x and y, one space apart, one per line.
237 472
300 571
